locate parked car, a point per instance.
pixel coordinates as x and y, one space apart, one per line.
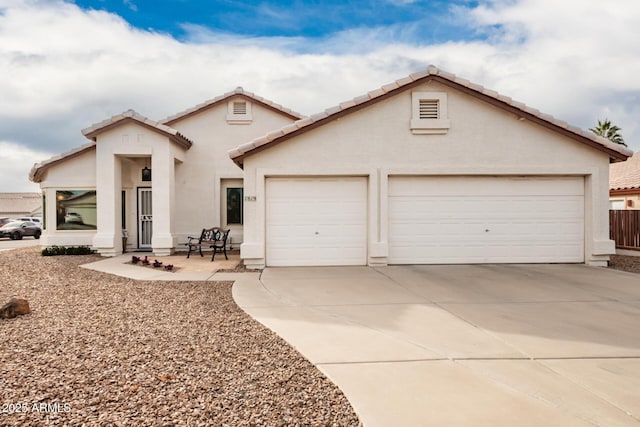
34 219
73 217
4 220
16 230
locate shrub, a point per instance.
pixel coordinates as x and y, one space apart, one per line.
64 250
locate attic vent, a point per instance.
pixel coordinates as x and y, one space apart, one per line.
239 108
429 109
239 112
429 114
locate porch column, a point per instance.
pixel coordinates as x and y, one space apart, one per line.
163 196
108 238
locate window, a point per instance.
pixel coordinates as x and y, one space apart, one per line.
616 204
124 210
234 205
239 112
429 113
76 210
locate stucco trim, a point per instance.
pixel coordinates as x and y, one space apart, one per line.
616 152
238 92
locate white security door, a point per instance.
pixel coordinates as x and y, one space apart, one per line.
316 221
464 220
145 218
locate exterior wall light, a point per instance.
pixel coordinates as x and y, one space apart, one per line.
146 174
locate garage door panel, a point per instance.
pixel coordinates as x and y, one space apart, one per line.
485 219
316 221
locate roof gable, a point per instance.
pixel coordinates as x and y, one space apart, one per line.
616 152
37 171
128 116
238 92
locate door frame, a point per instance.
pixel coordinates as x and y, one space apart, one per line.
142 245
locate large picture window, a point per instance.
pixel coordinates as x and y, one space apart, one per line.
76 210
234 206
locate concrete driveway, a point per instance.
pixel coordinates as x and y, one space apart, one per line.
486 345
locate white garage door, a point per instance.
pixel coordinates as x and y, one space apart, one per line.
316 221
453 220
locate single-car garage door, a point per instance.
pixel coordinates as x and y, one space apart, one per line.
453 220
316 221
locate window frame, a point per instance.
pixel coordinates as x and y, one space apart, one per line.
229 206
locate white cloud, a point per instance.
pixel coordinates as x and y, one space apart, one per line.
67 68
17 160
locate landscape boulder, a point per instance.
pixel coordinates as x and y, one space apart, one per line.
15 307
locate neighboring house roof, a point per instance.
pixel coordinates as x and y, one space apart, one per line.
625 175
222 98
19 203
615 151
131 116
38 169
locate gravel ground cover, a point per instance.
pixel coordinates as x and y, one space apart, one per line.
625 263
104 350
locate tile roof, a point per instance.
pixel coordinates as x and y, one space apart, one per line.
38 169
217 100
625 175
130 115
615 151
19 203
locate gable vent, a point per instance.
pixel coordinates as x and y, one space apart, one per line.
429 109
239 108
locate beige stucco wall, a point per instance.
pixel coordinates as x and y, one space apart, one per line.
187 184
377 142
207 165
634 198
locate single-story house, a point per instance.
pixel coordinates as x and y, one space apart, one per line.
624 184
428 169
13 205
156 181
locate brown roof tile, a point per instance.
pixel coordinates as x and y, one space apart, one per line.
217 100
130 115
625 175
615 151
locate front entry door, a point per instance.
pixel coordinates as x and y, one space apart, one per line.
145 217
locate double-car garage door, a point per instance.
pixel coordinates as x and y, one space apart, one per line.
431 220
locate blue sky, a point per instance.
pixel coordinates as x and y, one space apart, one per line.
416 22
72 63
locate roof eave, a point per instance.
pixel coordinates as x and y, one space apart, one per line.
38 169
92 133
168 121
621 154
615 154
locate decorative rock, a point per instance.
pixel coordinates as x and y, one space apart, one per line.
15 307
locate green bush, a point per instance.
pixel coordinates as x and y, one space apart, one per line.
63 250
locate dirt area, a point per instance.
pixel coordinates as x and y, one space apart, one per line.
104 350
625 263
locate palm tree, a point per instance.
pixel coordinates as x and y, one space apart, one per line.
609 131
